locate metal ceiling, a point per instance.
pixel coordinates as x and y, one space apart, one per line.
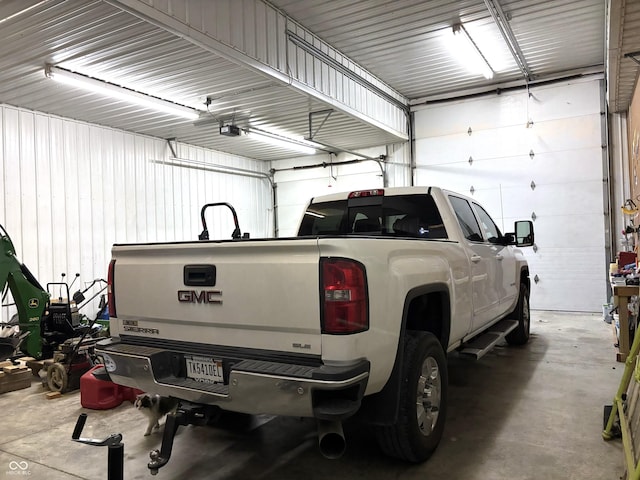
623 48
401 42
557 38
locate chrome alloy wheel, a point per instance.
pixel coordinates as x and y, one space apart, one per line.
429 396
525 314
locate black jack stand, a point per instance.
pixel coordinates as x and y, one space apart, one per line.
115 463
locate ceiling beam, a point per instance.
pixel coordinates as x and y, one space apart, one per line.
614 26
501 21
276 65
589 74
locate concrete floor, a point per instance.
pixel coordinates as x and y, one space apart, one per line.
518 413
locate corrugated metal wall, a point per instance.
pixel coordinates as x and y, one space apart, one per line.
398 165
620 178
69 190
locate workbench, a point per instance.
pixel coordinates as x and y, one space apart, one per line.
623 293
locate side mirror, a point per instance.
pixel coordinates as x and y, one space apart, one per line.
509 238
524 233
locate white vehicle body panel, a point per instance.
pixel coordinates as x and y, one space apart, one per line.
268 298
394 268
269 293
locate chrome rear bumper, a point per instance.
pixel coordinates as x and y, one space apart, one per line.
254 387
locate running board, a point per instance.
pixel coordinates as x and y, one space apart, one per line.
481 344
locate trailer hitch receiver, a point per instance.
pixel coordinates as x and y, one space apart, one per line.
185 414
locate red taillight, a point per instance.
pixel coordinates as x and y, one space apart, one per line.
343 296
111 295
367 193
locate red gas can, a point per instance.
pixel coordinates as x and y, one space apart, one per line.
98 392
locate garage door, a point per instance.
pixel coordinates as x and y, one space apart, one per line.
531 156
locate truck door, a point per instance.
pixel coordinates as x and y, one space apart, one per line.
506 281
482 257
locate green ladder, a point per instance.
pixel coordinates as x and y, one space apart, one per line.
611 430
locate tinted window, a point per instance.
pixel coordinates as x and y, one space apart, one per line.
399 216
323 219
466 219
491 231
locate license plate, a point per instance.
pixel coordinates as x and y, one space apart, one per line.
204 369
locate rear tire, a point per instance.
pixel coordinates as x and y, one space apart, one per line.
423 400
57 378
520 335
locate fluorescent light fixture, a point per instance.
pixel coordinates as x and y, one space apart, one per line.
314 214
468 53
279 141
118 92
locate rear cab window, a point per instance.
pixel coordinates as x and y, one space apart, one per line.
413 216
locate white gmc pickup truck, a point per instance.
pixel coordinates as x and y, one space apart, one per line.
353 317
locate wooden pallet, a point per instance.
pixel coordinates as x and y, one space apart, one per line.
14 377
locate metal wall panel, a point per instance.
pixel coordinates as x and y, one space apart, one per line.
561 153
322 77
241 25
69 190
398 165
620 178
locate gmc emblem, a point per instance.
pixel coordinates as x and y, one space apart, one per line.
203 296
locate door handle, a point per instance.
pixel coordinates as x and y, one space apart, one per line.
476 258
499 257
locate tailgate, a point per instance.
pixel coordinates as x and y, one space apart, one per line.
265 294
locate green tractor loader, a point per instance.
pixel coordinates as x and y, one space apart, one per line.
30 299
48 327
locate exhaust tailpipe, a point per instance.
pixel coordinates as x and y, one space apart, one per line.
331 439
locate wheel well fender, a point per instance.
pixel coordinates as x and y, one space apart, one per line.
524 276
426 308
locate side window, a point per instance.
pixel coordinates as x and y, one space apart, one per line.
466 219
489 227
